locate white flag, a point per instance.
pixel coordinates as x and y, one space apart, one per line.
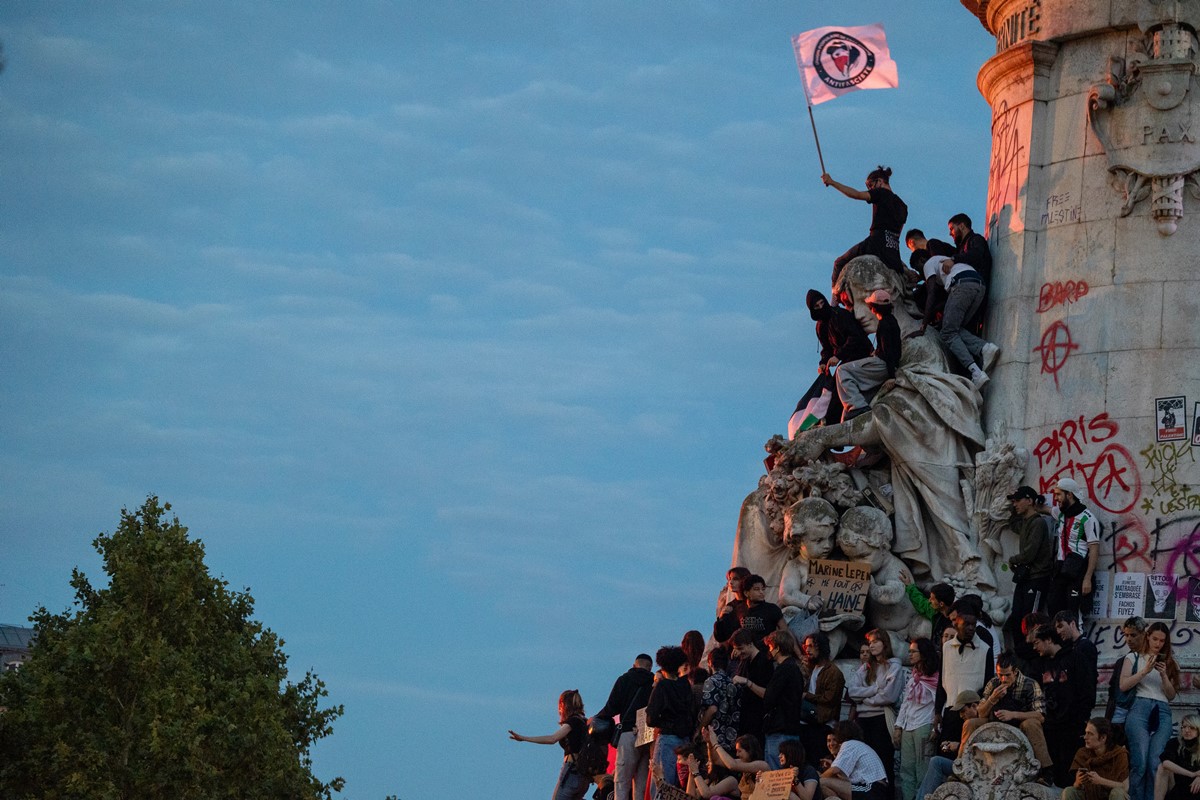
834 61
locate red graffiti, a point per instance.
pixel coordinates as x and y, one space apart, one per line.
1113 481
1055 348
1060 294
1071 436
1004 178
1130 546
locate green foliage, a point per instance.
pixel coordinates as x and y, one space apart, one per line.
160 685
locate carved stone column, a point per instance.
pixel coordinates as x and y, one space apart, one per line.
1093 215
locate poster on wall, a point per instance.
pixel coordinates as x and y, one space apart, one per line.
1160 597
1193 600
1170 420
1100 584
1129 594
1196 425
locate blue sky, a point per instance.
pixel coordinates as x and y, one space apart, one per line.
454 330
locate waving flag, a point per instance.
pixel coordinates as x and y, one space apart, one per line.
834 61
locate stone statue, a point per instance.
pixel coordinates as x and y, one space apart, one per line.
997 764
928 422
866 535
808 531
758 547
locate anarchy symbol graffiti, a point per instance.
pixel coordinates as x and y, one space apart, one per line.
1055 348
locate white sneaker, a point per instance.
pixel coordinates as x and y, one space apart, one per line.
991 354
978 377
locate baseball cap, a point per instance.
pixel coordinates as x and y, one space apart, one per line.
1024 493
964 698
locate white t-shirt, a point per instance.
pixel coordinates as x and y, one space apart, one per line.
860 764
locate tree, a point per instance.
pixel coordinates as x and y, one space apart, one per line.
158 686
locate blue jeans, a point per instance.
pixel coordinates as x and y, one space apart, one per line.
633 764
771 756
664 755
571 785
939 771
1145 748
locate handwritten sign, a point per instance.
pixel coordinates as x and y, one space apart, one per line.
774 785
645 734
841 584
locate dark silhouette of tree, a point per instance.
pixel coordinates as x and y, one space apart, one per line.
158 685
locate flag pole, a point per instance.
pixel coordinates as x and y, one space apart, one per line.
816 138
811 119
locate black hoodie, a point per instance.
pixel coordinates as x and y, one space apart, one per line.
838 331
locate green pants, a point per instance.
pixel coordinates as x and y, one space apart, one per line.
915 751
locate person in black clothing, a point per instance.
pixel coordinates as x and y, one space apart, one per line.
630 692
856 378
782 695
972 248
570 734
917 243
841 336
1033 564
888 215
754 666
672 711
761 617
1058 674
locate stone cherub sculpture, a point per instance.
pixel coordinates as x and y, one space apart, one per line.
928 422
996 764
808 532
866 535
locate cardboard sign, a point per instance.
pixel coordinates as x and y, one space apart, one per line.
1129 594
774 785
645 734
1170 419
841 584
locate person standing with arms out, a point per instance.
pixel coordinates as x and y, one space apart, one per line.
572 728
888 215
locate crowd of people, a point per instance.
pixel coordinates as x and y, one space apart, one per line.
720 714
758 696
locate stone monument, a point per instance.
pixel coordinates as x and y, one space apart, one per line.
1093 218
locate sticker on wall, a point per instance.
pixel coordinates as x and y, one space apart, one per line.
1193 609
1129 594
1170 422
1196 425
1160 598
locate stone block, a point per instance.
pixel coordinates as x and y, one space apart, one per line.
1181 310
1139 376
1077 251
1137 306
1141 250
1102 200
1083 63
1066 130
1082 379
1055 199
1066 18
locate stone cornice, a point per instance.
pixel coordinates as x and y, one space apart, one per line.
1031 58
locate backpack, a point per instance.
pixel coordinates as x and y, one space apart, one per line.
592 756
1117 698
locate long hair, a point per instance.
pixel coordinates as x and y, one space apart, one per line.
1165 653
750 744
570 704
882 636
1190 750
693 648
929 658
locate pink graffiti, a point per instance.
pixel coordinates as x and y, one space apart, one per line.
1004 174
1113 481
1071 435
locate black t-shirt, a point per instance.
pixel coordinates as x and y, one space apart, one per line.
572 743
760 620
758 671
888 212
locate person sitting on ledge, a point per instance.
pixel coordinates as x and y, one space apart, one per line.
855 378
888 215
